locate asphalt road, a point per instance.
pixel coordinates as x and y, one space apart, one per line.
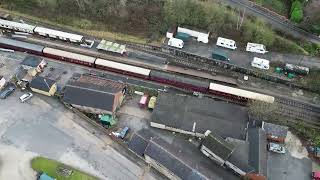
244 59
272 19
285 167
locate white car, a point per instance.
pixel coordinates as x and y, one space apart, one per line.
277 148
26 96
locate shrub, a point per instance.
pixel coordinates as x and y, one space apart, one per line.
296 12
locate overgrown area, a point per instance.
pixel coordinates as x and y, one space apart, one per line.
151 18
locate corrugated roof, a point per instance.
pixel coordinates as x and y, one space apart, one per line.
218 146
75 37
140 140
42 83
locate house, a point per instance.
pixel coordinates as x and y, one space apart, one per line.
216 148
43 86
33 65
94 95
33 62
181 159
2 82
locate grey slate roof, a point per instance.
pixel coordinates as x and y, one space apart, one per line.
32 61
218 146
181 112
92 92
21 73
258 150
139 141
240 155
276 130
21 44
186 161
42 83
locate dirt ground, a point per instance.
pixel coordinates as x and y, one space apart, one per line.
295 147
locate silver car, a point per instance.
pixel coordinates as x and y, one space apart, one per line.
277 148
25 97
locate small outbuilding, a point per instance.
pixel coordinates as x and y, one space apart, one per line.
43 86
94 94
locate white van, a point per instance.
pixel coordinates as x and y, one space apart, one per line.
227 43
174 42
260 63
256 48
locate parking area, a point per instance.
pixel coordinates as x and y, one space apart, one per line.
293 165
43 126
242 58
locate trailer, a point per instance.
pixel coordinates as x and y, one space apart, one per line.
256 48
226 43
174 42
201 37
260 63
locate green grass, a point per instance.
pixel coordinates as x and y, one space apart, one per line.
279 6
41 164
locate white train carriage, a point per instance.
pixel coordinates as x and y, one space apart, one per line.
75 38
69 56
15 26
122 68
239 93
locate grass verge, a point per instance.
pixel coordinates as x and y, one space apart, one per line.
50 167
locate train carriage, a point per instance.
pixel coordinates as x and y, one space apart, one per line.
75 38
122 68
239 94
180 81
69 56
21 46
15 26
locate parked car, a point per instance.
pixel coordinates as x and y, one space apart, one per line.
316 175
277 148
7 92
121 133
26 97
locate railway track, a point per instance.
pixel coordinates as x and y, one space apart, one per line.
298 110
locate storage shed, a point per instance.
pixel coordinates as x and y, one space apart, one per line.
43 86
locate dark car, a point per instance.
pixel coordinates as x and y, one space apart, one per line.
7 92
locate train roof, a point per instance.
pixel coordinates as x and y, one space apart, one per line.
21 26
241 92
124 67
21 44
180 78
70 55
58 33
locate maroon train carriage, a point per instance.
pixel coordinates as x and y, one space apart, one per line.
122 68
180 81
69 57
21 46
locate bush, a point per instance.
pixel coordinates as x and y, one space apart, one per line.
285 45
296 13
312 48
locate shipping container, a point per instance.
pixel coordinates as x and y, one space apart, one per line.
201 37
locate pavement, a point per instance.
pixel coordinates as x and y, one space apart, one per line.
43 126
273 19
243 59
294 165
